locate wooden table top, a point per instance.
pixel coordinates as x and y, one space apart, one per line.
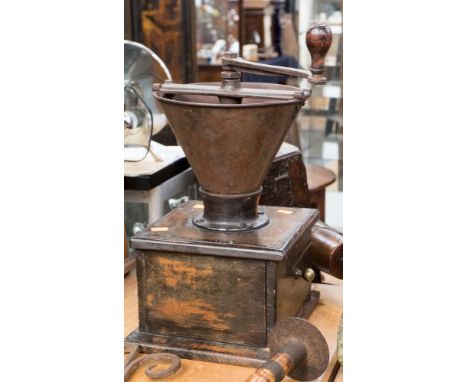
318 177
326 317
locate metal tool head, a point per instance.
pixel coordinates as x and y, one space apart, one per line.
294 329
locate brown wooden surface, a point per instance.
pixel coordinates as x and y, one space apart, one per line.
209 73
200 350
129 264
203 297
271 285
326 317
318 41
168 28
286 183
292 291
211 302
319 177
200 301
174 232
290 183
326 249
317 200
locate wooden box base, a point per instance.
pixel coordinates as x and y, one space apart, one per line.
214 296
210 351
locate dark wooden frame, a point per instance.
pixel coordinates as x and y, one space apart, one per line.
176 27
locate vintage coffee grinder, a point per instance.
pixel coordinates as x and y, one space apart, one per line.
215 276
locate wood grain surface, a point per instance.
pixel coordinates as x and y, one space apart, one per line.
286 183
326 317
203 297
167 27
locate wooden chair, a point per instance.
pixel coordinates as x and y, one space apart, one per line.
318 178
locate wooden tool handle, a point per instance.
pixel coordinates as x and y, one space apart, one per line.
278 366
318 40
326 249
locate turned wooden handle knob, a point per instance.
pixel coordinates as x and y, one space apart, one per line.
318 40
326 249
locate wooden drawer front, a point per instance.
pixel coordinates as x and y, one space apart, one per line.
203 297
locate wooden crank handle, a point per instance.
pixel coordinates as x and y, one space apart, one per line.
318 41
326 249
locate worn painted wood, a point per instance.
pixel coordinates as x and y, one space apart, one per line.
141 275
286 182
272 242
194 285
167 27
203 297
325 317
271 287
189 348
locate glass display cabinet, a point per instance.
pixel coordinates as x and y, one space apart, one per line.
217 31
321 119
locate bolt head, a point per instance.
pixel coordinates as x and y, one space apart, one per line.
309 274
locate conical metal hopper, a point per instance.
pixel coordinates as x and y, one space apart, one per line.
230 148
231 131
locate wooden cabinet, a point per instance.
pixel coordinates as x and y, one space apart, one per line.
168 28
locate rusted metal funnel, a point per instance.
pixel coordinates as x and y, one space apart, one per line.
230 148
230 133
